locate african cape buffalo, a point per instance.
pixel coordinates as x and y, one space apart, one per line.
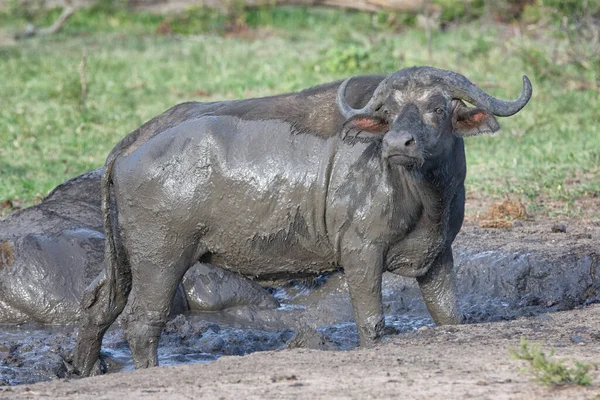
50 252
54 249
255 189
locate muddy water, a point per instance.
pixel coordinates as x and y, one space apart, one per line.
316 314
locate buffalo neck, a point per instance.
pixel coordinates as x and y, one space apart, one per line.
428 214
387 204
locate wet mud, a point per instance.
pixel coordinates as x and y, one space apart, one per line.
316 315
501 275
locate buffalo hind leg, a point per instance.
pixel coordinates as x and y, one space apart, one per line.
98 313
148 309
439 290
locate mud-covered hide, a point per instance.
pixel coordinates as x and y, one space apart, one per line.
51 252
209 288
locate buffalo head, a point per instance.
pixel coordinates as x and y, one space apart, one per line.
417 112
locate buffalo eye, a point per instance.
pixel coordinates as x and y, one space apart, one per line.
439 111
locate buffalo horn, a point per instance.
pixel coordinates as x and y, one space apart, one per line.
459 87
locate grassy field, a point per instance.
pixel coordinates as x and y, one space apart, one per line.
138 65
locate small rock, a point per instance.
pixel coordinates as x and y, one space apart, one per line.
517 224
280 378
309 338
559 228
576 339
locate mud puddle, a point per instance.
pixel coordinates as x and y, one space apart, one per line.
315 315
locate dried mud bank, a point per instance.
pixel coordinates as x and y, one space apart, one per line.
502 274
531 268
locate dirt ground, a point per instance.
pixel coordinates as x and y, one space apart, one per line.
468 361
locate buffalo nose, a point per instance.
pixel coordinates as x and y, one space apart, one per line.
404 139
400 141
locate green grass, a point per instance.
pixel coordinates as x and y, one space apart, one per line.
550 371
549 150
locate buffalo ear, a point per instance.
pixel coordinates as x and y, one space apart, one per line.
365 127
469 121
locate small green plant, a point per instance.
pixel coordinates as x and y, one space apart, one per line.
348 58
464 10
353 57
552 372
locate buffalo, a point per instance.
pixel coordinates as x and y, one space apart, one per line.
51 251
351 176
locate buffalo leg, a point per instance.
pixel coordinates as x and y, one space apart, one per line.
153 286
97 315
439 290
363 270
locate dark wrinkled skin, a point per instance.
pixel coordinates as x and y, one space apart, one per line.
254 191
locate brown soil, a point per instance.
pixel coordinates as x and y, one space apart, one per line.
443 362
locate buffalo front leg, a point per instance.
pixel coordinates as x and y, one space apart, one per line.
363 270
439 290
